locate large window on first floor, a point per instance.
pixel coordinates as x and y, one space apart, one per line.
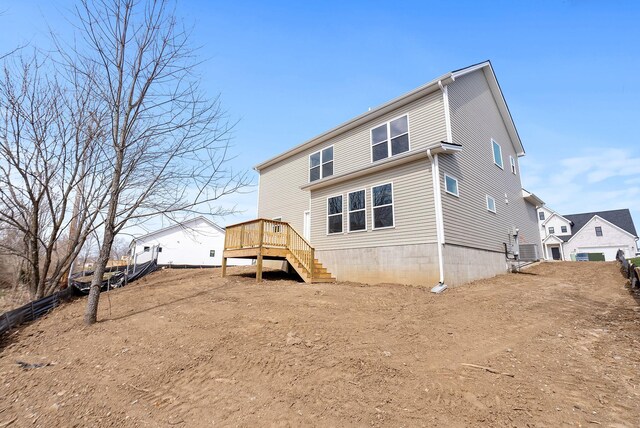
334 214
357 212
382 206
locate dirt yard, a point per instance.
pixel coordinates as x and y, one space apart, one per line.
559 346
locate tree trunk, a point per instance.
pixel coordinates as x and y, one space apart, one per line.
91 313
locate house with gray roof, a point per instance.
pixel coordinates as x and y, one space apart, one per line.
603 232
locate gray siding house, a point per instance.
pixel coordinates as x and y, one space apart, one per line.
423 189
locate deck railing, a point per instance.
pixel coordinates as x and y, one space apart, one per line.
270 234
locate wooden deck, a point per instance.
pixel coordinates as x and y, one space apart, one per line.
264 239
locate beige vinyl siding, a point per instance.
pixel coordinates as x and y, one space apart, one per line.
279 190
475 120
413 206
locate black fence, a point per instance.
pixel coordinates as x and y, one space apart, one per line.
628 269
34 310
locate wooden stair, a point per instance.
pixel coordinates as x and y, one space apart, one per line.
320 273
273 240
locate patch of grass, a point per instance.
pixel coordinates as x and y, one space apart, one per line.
635 261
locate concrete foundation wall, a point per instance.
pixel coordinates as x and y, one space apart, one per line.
462 265
404 264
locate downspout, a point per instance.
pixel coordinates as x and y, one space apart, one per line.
437 197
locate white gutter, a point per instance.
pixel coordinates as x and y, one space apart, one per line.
437 197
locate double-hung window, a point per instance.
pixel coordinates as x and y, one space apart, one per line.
541 215
390 139
552 230
334 214
491 204
321 164
382 203
563 229
598 231
357 213
497 153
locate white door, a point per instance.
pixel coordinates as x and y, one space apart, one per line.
307 225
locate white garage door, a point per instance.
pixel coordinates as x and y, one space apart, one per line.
609 252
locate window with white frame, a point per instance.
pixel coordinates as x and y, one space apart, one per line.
512 161
451 185
552 230
491 204
541 215
382 204
497 153
563 229
321 164
357 213
598 231
390 139
334 214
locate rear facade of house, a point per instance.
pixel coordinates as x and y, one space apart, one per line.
423 189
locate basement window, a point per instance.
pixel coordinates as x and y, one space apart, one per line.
491 204
334 214
497 154
382 203
598 231
357 213
390 139
321 164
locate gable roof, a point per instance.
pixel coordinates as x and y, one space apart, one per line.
621 218
182 225
407 98
555 214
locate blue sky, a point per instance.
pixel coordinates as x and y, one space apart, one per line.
291 70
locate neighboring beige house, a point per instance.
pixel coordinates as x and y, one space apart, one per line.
423 189
603 232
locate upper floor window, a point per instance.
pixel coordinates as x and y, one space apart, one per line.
382 203
552 230
512 161
497 154
541 215
390 139
334 214
598 231
563 229
321 164
491 204
357 214
451 185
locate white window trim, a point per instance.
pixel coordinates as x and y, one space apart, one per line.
495 208
512 162
457 194
552 230
393 208
363 209
341 214
493 156
321 163
596 231
564 231
388 124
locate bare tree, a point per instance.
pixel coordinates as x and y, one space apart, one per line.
48 141
167 141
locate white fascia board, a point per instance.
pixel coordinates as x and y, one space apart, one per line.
383 109
555 214
532 198
604 221
552 237
182 225
499 98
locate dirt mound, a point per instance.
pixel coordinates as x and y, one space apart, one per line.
554 346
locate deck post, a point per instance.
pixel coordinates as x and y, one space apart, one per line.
241 235
259 268
261 234
312 264
224 267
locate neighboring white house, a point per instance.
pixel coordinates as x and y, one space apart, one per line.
195 242
603 232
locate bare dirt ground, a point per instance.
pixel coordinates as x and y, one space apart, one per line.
187 348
